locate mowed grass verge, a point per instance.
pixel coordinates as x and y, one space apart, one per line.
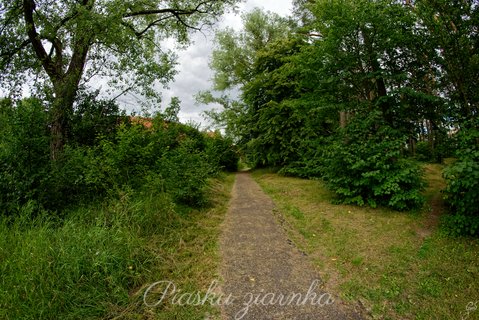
98 261
393 265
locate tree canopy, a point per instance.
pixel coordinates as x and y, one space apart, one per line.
353 91
62 44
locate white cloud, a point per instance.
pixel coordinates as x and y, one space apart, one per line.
194 73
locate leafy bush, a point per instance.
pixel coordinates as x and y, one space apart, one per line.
423 151
99 161
185 174
221 152
309 165
462 191
24 154
92 118
171 157
460 225
364 165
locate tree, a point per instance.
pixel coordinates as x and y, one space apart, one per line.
451 28
237 65
63 43
171 112
233 59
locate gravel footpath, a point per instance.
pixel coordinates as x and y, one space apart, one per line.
266 276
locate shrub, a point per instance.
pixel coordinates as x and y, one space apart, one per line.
462 191
221 152
364 165
185 171
310 154
92 118
423 151
24 154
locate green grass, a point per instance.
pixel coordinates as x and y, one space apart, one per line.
97 263
396 265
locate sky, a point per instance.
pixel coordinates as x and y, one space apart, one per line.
194 74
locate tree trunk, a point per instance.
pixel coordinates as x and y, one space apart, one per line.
58 131
343 119
61 111
430 136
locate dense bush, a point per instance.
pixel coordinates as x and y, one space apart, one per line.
364 165
24 153
462 191
310 154
98 161
423 151
221 152
93 117
172 158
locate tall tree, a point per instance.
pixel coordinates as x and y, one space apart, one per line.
237 65
451 28
63 43
233 59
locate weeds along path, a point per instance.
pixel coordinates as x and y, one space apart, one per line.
266 276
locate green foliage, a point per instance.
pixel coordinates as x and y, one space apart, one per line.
462 191
452 27
221 152
171 112
365 165
117 37
24 153
87 265
172 157
309 163
92 117
423 151
103 157
234 58
457 224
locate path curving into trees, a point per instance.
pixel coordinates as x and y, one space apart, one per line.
266 276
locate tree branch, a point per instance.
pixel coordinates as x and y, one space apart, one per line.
8 55
173 12
12 52
28 8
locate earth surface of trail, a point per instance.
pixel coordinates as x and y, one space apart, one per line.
266 276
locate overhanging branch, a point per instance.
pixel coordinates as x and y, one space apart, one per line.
177 13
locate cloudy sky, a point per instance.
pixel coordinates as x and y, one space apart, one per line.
194 73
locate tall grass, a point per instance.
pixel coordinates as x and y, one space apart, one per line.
98 260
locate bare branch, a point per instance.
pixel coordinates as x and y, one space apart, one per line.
122 93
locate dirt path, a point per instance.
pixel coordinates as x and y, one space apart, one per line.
266 275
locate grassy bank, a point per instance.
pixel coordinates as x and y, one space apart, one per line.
99 260
393 265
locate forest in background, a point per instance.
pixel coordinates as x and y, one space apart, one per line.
356 93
